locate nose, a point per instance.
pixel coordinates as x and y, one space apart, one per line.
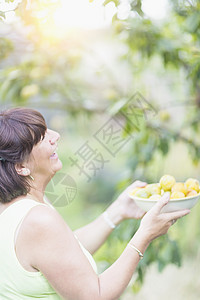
54 136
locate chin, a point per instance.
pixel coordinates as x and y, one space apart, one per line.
58 166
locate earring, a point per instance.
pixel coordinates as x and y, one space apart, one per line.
31 177
25 172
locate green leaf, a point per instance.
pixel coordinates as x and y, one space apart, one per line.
136 5
116 2
136 287
2 14
164 146
193 21
6 46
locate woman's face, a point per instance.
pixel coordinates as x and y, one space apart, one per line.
44 159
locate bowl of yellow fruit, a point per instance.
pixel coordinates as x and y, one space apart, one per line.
183 195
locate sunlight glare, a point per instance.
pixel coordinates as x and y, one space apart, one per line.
155 9
82 14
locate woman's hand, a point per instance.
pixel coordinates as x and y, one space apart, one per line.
129 209
124 207
155 223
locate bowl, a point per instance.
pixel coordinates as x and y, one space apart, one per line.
173 204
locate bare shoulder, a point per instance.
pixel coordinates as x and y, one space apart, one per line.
42 219
44 230
55 252
42 214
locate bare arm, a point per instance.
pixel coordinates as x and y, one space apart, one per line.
93 235
56 253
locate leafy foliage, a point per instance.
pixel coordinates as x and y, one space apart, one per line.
6 47
51 75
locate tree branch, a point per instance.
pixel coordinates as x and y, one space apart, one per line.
174 134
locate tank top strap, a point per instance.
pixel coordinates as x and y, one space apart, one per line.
11 219
15 281
13 216
87 254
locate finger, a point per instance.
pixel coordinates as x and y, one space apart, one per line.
138 184
162 202
177 214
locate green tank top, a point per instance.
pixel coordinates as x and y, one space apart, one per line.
16 283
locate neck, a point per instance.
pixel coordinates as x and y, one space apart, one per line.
36 195
36 192
38 188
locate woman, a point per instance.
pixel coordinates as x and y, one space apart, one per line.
40 257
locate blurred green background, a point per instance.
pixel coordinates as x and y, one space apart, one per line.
83 63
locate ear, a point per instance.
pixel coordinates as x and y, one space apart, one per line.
21 170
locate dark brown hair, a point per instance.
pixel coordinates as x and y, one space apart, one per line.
20 129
